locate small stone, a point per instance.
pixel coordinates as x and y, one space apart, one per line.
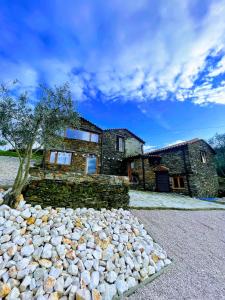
167 262
111 277
45 263
129 261
110 291
55 272
61 250
49 284
14 294
59 285
85 277
4 289
121 286
31 220
56 240
151 270
97 254
26 213
27 250
54 296
94 282
71 254
131 282
76 235
73 269
25 283
44 218
88 264
12 272
47 251
83 294
96 295
37 240
39 273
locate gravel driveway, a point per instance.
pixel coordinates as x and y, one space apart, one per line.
196 243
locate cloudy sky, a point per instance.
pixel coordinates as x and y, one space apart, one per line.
156 67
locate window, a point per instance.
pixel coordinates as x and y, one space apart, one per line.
82 135
178 182
120 144
132 165
60 158
91 164
203 157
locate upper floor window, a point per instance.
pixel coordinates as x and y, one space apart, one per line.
203 157
120 144
60 158
82 135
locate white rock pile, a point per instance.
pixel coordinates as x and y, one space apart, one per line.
73 254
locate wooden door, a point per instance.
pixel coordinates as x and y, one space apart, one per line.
129 173
162 182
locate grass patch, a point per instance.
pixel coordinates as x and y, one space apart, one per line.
37 156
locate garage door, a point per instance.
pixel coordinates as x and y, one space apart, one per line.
162 182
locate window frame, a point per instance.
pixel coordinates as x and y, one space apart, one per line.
56 158
177 178
90 134
118 138
203 155
96 164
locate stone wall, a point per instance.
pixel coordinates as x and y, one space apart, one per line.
73 190
111 157
80 151
203 177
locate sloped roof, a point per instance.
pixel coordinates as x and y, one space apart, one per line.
178 145
91 123
145 155
134 135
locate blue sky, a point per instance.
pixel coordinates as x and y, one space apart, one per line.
155 67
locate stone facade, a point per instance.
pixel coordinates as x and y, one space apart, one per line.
182 161
68 189
120 152
112 158
203 177
80 151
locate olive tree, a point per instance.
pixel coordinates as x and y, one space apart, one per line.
26 123
218 143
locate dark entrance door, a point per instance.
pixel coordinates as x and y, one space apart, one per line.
162 181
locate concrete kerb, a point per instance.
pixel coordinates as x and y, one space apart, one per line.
175 208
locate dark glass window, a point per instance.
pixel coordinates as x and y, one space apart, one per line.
60 158
82 135
91 164
203 157
120 145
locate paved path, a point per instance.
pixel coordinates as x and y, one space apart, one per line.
8 169
196 243
171 200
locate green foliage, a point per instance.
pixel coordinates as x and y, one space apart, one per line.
218 143
25 123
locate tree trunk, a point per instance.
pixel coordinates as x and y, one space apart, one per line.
12 197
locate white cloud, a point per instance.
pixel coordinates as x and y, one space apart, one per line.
130 50
148 148
174 143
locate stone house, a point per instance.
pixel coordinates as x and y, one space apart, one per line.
81 151
186 168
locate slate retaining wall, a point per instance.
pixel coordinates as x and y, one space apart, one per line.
76 190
